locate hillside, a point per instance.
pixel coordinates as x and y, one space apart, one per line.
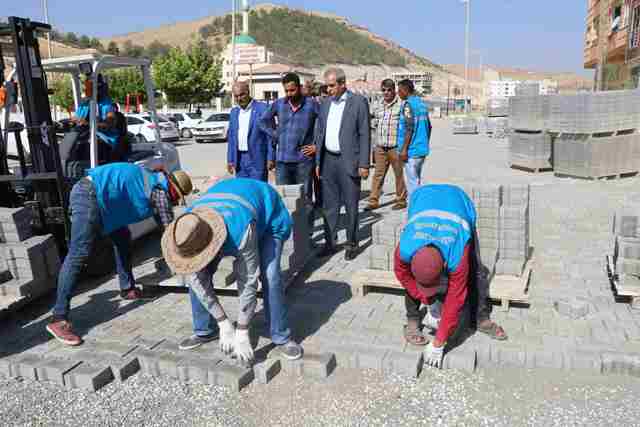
306 38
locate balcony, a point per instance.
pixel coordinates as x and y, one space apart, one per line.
591 53
617 44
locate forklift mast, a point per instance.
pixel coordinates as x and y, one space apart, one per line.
42 172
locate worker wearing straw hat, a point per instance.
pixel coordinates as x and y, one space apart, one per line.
248 220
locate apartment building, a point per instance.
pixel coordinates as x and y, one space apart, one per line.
612 42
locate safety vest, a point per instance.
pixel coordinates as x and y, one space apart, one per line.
123 191
442 216
242 201
419 145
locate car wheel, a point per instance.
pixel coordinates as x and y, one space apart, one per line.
186 133
141 139
199 141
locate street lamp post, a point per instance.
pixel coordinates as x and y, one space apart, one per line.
45 7
233 40
466 53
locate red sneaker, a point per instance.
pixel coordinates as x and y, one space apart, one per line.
62 331
131 294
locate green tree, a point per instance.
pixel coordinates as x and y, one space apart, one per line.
125 81
63 93
206 72
132 50
84 41
112 48
171 75
71 38
156 49
95 44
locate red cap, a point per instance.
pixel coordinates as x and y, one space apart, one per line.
426 267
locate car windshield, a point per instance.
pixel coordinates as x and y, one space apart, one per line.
193 115
218 118
160 119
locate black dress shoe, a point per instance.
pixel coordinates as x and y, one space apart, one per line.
327 251
350 254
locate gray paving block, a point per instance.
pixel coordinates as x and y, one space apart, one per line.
510 266
572 307
52 369
627 247
621 363
506 355
196 369
6 370
628 266
26 367
409 364
13 215
266 370
318 365
461 358
88 377
583 360
232 376
292 367
292 191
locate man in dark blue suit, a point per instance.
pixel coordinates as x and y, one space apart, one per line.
249 147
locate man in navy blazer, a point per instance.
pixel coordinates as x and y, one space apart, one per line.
249 148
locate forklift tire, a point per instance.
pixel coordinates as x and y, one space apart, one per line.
102 260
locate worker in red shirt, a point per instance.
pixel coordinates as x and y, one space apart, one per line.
440 237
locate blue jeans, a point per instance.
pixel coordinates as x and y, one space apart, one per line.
245 168
292 173
275 308
85 227
412 174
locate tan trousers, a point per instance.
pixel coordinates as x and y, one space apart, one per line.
385 157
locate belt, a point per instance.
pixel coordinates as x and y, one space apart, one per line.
388 148
333 153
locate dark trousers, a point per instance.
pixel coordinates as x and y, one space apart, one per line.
292 173
477 295
245 168
339 188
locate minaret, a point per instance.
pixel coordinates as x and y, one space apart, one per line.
245 16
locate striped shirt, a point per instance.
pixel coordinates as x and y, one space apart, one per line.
386 119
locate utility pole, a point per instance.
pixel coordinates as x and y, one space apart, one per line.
466 53
45 7
233 40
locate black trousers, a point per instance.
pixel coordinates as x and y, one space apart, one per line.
339 188
477 295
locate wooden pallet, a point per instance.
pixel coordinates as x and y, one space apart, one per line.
364 281
531 170
632 293
508 289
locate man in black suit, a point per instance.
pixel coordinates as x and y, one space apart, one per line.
342 158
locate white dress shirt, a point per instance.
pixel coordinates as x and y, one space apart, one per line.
334 121
244 121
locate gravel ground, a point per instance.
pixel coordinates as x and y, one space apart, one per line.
347 398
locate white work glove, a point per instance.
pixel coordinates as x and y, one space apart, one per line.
431 322
242 346
433 355
227 335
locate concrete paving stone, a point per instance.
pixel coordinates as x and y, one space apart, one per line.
25 366
628 266
146 342
318 365
625 223
547 359
461 358
510 266
196 369
266 370
583 360
229 375
88 377
573 308
627 247
53 370
409 364
621 363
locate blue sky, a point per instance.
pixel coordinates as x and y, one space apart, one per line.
535 34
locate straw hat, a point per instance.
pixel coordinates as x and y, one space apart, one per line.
193 240
182 182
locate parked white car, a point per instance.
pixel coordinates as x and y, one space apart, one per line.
185 122
143 128
214 128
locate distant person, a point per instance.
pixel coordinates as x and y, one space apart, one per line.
249 147
414 132
293 137
386 119
198 111
342 158
324 92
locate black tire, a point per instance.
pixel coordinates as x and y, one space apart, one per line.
186 133
140 139
199 141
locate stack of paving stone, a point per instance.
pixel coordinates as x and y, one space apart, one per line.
514 230
29 264
528 89
499 127
385 237
626 251
502 226
498 107
597 133
529 143
297 250
464 125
